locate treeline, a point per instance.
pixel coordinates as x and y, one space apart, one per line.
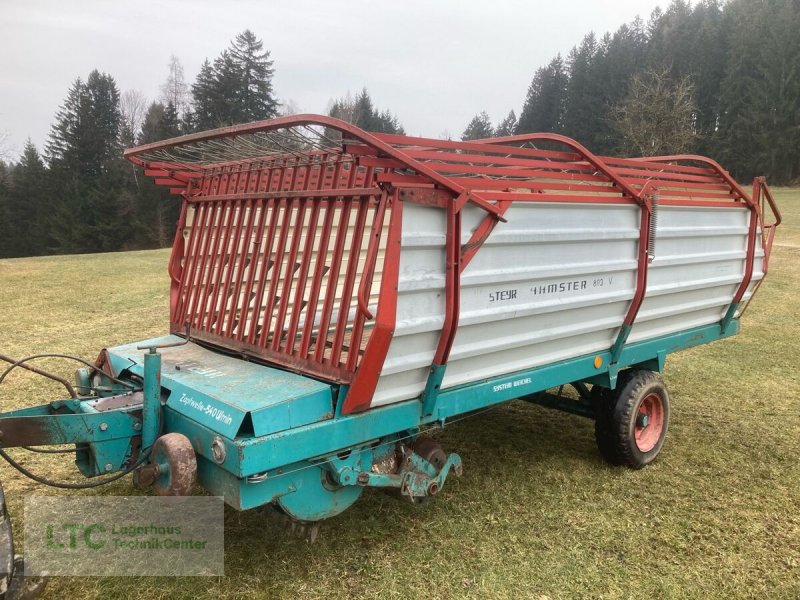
79 195
718 79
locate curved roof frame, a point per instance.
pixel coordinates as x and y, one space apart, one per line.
139 153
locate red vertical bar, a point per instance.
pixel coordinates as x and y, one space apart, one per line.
365 286
349 280
255 262
191 259
260 207
359 396
333 280
319 272
297 235
452 285
217 253
277 271
217 214
233 234
201 265
302 276
266 266
228 208
248 215
322 181
205 289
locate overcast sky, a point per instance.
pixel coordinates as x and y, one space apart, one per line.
434 64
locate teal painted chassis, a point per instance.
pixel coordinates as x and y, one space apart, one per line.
317 469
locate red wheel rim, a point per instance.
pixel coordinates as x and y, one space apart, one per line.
649 422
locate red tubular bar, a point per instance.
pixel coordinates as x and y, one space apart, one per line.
175 265
359 396
285 239
452 289
277 268
349 281
365 287
291 268
332 279
212 311
298 304
253 265
266 264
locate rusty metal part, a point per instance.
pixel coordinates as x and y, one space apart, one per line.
386 464
153 348
430 450
174 451
308 531
145 476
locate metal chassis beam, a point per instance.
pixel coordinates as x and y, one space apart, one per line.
252 456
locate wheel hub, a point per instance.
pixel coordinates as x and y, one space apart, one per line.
649 422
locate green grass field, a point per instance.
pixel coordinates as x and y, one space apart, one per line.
537 514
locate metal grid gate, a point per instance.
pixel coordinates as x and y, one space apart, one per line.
283 262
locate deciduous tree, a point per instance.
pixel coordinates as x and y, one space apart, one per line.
656 117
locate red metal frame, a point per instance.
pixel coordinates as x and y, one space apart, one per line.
359 396
272 264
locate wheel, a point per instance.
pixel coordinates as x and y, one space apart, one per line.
631 421
177 465
432 451
603 401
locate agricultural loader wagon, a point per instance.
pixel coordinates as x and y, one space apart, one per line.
335 293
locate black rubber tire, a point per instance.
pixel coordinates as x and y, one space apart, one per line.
617 412
602 399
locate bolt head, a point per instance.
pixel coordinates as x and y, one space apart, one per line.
103 426
109 467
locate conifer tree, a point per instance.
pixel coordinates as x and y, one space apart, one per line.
254 69
6 226
507 125
27 209
361 111
88 176
544 105
478 128
236 87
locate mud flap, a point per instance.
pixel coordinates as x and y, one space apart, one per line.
13 585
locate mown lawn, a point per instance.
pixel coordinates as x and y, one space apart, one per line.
537 513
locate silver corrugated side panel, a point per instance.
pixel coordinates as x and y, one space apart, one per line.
555 282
